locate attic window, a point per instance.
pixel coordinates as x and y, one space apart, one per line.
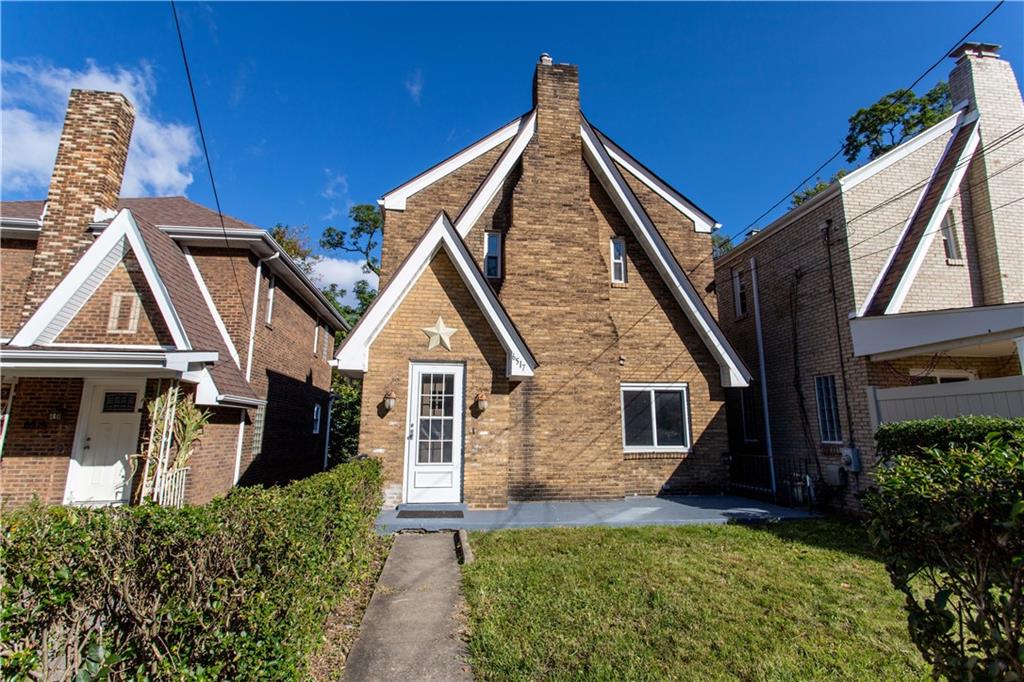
949 241
739 293
492 255
124 313
618 261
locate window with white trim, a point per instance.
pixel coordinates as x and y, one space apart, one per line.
271 288
316 418
618 249
949 240
492 255
125 310
829 428
316 336
748 415
655 417
739 293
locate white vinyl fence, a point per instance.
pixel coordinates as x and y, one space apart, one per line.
1000 397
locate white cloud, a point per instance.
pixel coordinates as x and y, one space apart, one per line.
32 106
343 272
414 85
336 186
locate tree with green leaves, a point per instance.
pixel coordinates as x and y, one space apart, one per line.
894 118
362 238
817 188
295 243
720 244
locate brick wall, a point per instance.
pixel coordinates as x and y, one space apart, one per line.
36 450
90 325
87 176
440 291
15 267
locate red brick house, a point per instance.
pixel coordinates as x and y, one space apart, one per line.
544 328
107 302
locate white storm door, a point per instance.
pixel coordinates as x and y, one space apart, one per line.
433 472
108 434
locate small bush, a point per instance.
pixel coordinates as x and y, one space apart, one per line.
949 524
909 438
236 589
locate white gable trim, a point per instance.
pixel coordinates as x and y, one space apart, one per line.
71 294
353 356
934 222
902 151
496 177
702 222
217 320
396 198
734 373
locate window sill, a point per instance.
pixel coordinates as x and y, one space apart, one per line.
955 261
643 454
740 317
620 285
268 326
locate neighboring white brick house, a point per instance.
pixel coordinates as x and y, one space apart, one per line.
875 296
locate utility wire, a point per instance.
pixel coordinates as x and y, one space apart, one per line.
206 155
832 158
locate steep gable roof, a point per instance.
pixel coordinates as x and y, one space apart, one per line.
353 355
733 372
896 277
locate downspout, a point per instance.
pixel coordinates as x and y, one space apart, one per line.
762 372
826 235
252 320
327 434
238 446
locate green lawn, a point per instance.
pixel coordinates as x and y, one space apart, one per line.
794 601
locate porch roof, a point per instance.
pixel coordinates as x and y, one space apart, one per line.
989 330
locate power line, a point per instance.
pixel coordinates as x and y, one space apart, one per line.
206 155
832 158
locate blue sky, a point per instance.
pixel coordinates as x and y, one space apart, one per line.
309 108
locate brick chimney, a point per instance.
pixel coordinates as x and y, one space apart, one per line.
987 83
84 187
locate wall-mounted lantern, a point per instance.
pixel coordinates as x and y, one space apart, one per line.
389 400
481 402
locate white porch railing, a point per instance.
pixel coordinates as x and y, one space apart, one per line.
172 491
1000 397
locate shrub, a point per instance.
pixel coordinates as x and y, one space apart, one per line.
908 438
949 524
236 589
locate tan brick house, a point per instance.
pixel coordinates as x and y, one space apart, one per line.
896 293
107 302
544 328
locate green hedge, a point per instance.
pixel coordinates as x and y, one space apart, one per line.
910 438
235 589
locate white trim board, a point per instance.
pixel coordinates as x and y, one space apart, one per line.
702 222
491 185
352 357
733 372
396 198
72 293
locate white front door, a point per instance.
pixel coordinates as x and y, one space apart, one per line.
108 433
433 455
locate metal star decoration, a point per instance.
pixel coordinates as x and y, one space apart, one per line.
439 334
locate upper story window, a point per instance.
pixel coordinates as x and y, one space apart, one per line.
739 292
316 336
828 409
271 287
618 261
949 240
492 255
316 418
655 417
125 309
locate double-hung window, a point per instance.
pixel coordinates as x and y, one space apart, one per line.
828 409
618 261
949 241
739 292
655 417
492 255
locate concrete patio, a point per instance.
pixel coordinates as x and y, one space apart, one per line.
633 511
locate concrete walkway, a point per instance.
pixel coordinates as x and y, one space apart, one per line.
631 511
410 630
